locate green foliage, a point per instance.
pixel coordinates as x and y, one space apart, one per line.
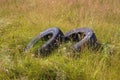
21 20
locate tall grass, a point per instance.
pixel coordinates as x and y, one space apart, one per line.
21 20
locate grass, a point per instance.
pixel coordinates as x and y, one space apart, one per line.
21 20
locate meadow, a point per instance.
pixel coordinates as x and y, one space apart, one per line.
21 20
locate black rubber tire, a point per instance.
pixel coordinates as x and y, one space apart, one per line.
52 43
89 38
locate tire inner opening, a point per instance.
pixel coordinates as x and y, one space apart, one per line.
76 36
41 41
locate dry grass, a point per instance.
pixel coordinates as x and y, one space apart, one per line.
21 20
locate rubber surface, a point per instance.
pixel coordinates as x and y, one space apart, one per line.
88 37
53 42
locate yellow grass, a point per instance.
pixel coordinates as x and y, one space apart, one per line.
21 20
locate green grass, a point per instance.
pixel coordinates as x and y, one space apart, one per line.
21 20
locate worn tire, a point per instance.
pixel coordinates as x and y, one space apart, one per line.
89 38
52 43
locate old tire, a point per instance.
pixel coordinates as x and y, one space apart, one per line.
52 43
88 37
